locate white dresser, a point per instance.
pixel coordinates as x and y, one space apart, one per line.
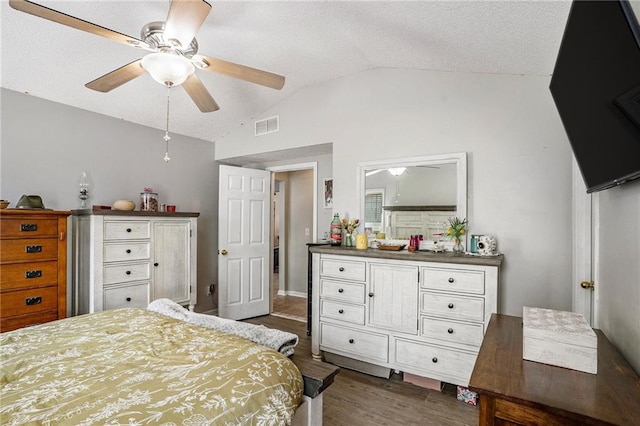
127 259
420 313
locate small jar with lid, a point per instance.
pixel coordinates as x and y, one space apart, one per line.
148 201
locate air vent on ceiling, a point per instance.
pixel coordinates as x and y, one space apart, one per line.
268 125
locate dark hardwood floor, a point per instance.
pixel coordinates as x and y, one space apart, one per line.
356 399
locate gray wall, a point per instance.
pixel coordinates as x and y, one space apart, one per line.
519 173
299 218
46 146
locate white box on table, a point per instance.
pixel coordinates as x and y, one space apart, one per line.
559 338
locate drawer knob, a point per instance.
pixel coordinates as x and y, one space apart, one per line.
33 249
351 340
341 290
451 280
128 272
128 251
341 311
156 264
128 229
370 294
450 305
450 331
341 269
128 299
434 359
28 227
30 301
33 274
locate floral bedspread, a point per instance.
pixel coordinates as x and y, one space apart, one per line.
136 367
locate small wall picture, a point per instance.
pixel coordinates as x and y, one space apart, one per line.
328 193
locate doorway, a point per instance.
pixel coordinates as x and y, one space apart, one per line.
293 226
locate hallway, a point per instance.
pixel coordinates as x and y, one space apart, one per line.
288 306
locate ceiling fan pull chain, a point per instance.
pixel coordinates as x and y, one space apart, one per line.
166 133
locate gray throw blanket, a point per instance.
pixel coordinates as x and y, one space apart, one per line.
279 340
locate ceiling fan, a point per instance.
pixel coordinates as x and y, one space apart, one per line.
173 58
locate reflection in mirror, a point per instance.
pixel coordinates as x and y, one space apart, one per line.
413 196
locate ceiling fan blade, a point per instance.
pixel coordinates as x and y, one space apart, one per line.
199 94
117 78
73 22
241 72
185 19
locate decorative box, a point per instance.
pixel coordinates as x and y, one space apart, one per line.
463 394
559 338
423 382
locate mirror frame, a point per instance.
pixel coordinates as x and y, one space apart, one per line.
457 158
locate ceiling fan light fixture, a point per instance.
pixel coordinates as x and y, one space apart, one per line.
397 171
167 68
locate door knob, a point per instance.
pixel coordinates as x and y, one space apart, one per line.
223 252
587 285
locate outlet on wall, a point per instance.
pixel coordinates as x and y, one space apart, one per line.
211 289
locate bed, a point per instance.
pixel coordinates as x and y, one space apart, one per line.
137 367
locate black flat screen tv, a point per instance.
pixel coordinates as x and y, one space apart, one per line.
596 88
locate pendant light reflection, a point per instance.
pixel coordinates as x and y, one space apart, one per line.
397 171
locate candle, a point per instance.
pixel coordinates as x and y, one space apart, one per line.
362 243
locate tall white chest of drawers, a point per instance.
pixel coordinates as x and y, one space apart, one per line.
420 313
127 259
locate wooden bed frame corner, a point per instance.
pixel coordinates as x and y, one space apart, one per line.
317 377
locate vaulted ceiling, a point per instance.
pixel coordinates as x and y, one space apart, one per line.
309 42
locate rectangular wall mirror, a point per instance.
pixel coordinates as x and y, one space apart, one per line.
412 196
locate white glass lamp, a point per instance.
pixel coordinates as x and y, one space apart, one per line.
168 69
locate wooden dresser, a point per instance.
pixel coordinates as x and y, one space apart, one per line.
518 392
33 267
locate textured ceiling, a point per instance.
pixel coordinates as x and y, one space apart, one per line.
308 42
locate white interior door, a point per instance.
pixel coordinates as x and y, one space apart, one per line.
243 242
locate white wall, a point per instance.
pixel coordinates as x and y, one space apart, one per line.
45 147
618 280
519 158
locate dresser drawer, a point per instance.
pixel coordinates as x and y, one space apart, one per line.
28 301
28 228
342 311
127 230
451 306
434 361
344 269
451 331
115 252
372 346
131 296
22 275
124 273
28 249
13 323
342 291
458 280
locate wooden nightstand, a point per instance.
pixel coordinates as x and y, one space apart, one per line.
518 392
